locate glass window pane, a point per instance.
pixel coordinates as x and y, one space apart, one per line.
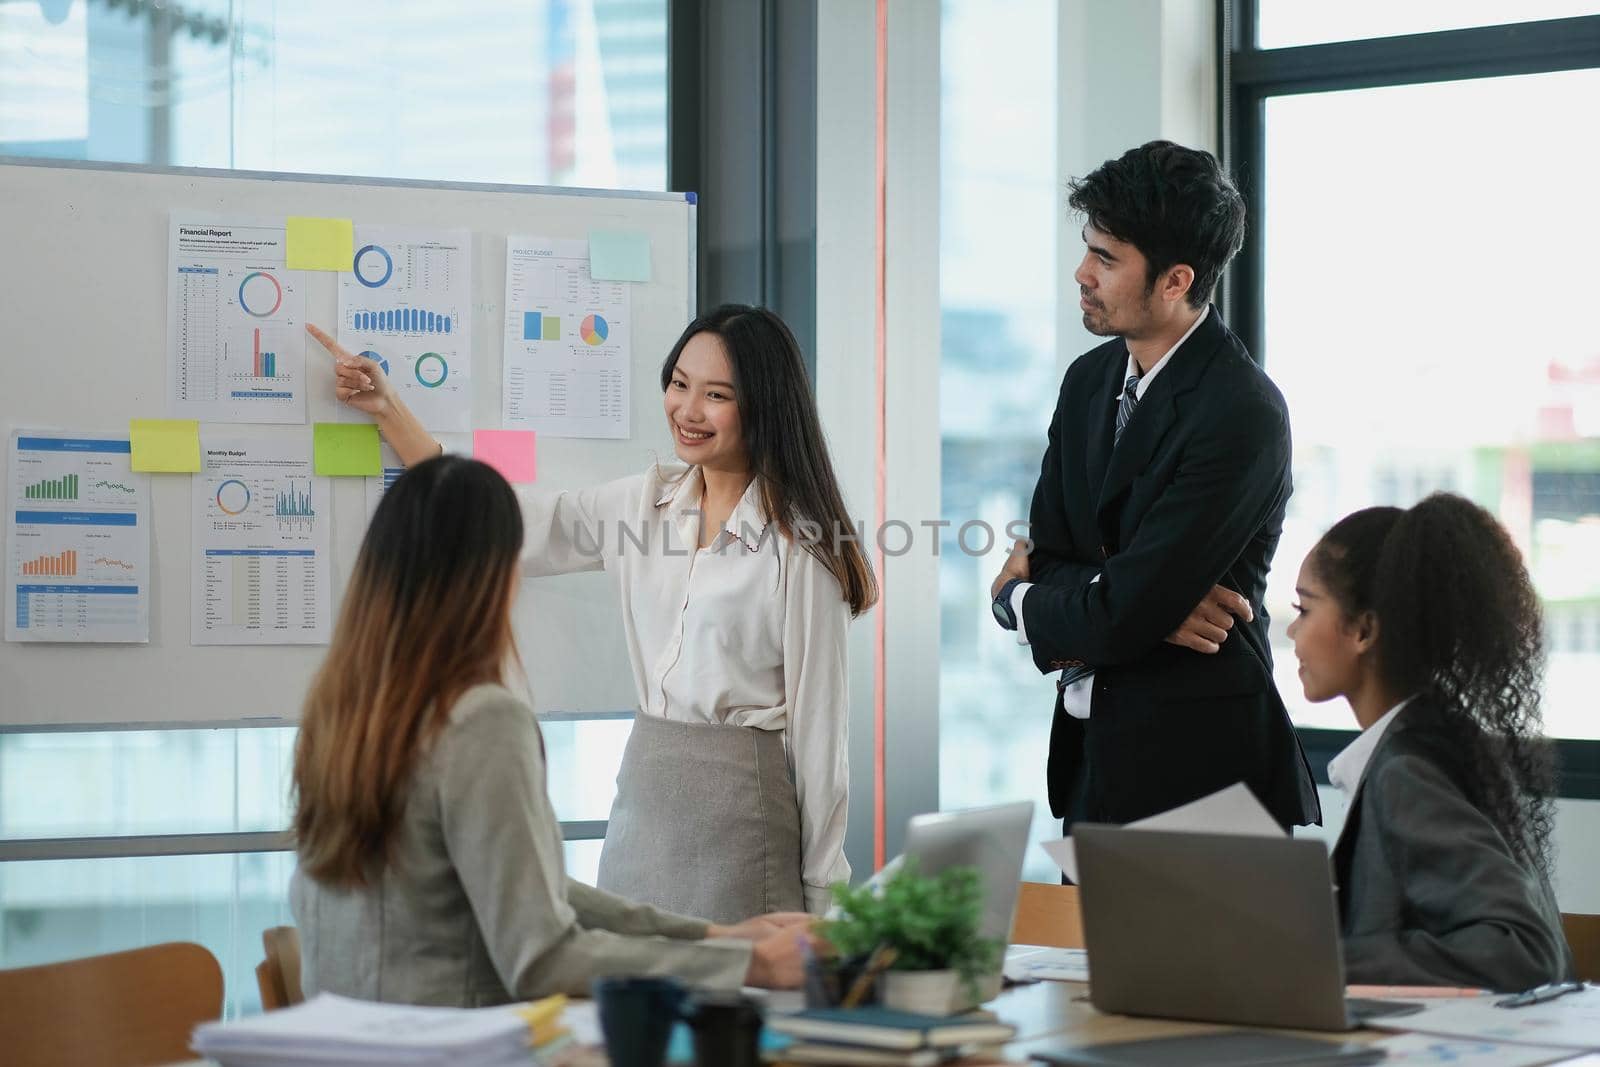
583 860
997 384
583 760
1427 253
1282 23
61 909
557 92
124 782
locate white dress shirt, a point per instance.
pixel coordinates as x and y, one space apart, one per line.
1346 769
1076 698
748 632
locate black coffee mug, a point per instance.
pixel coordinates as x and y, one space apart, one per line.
727 1029
637 1015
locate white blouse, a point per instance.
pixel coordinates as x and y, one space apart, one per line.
748 632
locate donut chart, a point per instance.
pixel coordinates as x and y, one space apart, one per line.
373 266
594 330
431 370
233 497
379 360
260 294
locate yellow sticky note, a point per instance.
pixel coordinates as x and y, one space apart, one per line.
346 449
321 244
165 446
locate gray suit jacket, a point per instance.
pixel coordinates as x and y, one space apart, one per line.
477 908
1429 891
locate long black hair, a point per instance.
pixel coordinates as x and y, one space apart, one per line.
1459 624
783 434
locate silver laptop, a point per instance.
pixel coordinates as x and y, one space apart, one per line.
994 840
1214 927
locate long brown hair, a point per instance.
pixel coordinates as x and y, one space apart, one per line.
788 454
427 616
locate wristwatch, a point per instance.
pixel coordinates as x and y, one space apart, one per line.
1002 604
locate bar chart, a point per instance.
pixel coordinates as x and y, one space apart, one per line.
78 552
63 488
60 565
293 507
402 320
537 326
265 364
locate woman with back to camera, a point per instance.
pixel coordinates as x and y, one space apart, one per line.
1426 622
736 595
430 858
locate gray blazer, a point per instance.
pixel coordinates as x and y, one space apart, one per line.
477 908
1429 891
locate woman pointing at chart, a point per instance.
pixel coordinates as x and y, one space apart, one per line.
736 595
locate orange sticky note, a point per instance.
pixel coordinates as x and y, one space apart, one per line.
511 452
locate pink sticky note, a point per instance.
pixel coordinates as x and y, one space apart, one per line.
511 452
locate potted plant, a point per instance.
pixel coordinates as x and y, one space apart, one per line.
927 925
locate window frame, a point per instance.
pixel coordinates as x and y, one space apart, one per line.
1248 75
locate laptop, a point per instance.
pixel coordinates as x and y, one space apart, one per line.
992 839
1216 928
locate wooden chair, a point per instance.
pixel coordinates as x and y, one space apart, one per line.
122 1009
278 976
1048 915
1583 934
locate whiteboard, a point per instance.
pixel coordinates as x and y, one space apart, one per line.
83 255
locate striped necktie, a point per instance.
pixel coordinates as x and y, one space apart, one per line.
1130 400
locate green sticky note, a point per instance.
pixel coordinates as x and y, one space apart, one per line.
321 244
165 446
619 257
346 449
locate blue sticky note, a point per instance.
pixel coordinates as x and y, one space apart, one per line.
619 257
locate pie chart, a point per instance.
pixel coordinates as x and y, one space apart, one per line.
431 370
260 294
594 329
233 496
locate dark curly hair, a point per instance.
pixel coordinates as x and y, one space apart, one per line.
1459 624
1174 204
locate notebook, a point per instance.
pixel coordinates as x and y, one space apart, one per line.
822 1052
1230 1048
882 1028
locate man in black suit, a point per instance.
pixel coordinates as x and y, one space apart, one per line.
1159 505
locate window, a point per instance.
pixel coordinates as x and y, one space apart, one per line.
559 92
553 92
1412 282
998 380
1284 23
127 784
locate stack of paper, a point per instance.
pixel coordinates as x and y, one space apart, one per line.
1234 810
332 1030
1570 1022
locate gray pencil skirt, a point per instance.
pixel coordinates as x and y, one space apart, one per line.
706 822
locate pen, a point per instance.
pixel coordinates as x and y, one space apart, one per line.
1540 994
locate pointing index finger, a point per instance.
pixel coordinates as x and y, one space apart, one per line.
334 348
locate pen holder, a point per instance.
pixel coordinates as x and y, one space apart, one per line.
830 978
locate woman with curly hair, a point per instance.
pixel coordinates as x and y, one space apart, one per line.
1426 622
